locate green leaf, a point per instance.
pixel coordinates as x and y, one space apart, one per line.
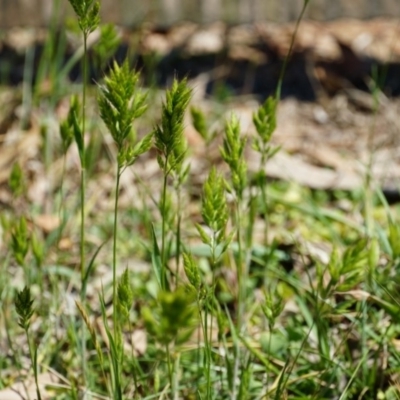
116 353
16 180
394 239
35 371
226 243
192 270
335 265
90 267
273 151
156 258
20 241
37 249
140 148
373 254
73 123
205 238
199 123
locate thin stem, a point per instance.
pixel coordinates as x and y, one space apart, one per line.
33 357
264 199
288 55
61 209
82 247
207 346
83 175
207 349
241 271
170 372
242 279
208 333
178 234
163 230
83 195
134 361
175 378
114 265
164 258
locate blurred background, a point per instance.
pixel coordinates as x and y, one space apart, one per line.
130 13
235 47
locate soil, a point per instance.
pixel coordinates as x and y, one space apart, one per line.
338 117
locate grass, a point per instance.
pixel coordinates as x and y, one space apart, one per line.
146 290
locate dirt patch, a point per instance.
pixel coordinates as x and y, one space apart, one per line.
331 128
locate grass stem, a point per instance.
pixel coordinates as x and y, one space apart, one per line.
82 204
114 262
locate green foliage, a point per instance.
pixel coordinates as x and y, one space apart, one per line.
107 44
199 122
286 322
192 271
214 211
394 238
88 13
348 270
373 257
115 353
232 153
120 103
156 261
272 308
16 180
37 249
214 208
91 330
129 153
169 138
172 148
173 318
264 120
334 266
125 295
25 311
23 306
20 241
70 128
